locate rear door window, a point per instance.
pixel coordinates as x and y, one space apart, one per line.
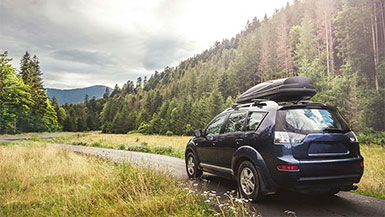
254 120
235 122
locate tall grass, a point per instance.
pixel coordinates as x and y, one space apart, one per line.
45 181
373 181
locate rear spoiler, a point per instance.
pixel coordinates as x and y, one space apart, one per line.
307 105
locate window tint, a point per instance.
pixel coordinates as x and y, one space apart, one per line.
255 119
310 120
215 127
235 122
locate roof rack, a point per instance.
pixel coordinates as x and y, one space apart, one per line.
255 102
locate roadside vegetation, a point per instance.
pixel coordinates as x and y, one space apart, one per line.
372 183
157 144
37 180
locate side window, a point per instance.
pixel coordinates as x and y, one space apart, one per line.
215 127
235 122
254 120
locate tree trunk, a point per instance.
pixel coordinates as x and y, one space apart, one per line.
331 47
375 56
383 25
327 44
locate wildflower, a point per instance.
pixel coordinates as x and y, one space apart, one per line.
207 201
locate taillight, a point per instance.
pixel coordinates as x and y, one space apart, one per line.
352 136
362 163
288 167
281 137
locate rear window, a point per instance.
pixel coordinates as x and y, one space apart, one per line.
310 120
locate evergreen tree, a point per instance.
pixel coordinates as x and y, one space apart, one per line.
43 116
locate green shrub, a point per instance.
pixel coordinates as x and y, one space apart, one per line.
372 137
169 133
96 144
80 143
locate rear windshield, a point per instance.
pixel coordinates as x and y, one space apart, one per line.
310 120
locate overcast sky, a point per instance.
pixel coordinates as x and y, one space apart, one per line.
89 42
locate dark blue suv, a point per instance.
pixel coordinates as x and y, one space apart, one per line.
264 145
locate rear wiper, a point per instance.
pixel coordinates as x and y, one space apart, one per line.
331 129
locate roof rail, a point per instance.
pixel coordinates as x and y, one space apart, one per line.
255 102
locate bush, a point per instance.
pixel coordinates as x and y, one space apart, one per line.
372 137
143 147
96 144
169 133
80 143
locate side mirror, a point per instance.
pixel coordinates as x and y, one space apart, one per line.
198 133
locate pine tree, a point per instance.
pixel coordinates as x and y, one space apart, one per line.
43 116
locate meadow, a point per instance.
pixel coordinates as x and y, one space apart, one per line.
372 182
40 180
158 144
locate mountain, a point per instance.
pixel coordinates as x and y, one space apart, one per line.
76 95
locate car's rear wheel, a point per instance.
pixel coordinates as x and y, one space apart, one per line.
248 181
192 169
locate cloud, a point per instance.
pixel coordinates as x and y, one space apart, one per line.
83 56
89 42
162 51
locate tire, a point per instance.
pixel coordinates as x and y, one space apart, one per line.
193 172
248 181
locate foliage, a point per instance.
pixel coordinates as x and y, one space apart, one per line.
15 97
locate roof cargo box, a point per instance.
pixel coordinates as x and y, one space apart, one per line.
281 90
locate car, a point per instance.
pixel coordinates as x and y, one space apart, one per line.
266 145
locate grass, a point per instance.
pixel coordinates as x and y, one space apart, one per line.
373 181
166 145
38 180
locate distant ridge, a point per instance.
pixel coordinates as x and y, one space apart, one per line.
76 95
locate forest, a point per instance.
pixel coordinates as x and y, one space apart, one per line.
340 44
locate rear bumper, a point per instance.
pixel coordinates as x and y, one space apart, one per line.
320 174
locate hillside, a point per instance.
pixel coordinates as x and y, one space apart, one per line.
339 44
76 95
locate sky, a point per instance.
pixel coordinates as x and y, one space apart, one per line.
106 42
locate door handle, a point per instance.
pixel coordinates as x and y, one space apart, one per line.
238 141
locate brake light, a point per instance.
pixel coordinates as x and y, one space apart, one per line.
288 167
362 163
